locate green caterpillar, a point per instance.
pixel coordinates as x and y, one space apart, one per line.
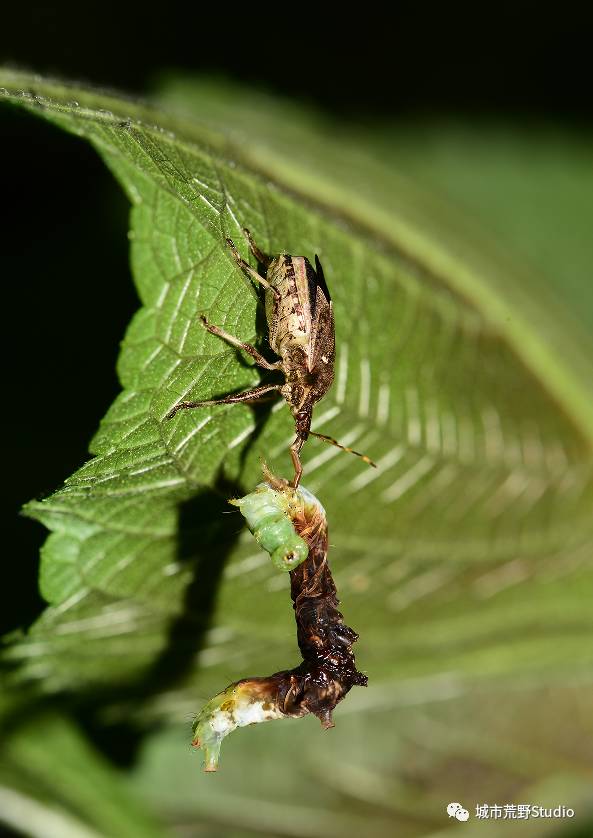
269 514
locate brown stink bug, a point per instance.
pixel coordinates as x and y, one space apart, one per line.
301 332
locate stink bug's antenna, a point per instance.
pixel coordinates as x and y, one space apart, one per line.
335 442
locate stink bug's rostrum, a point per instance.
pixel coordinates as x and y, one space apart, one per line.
301 332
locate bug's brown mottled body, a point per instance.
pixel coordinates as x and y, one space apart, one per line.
300 331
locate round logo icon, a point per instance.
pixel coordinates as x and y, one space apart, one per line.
456 810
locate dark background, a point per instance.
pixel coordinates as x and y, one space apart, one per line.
68 293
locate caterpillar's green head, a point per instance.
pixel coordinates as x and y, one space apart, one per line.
290 555
269 514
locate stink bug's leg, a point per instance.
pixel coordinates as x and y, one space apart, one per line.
295 450
335 442
246 347
261 257
247 396
249 270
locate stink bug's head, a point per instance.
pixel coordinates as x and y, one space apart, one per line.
302 420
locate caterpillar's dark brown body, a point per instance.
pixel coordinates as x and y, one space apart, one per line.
328 670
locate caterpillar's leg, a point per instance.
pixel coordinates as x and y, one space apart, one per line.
246 347
247 396
249 270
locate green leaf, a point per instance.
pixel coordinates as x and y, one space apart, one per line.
465 551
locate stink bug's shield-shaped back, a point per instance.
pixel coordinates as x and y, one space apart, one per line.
301 333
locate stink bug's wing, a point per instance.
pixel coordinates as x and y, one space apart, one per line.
306 287
320 279
323 339
322 346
